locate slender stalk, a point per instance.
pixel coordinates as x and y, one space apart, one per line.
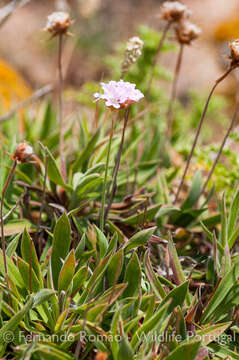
156 57
174 90
234 118
102 210
218 81
60 107
9 178
117 164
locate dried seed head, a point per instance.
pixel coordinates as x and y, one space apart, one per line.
187 32
234 47
58 23
174 11
23 153
133 51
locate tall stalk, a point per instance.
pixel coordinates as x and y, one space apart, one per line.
102 210
156 57
9 178
218 81
234 118
60 107
117 164
174 90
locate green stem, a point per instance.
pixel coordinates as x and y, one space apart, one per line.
117 163
102 210
9 178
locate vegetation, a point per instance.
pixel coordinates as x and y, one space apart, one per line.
144 276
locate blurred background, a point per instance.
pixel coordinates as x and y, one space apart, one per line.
28 58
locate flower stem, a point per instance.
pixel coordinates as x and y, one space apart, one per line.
102 210
156 57
234 118
117 164
9 178
199 129
60 107
174 91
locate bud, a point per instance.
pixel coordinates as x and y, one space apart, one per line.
187 32
58 23
234 47
23 153
174 11
133 51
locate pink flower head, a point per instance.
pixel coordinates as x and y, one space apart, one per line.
119 94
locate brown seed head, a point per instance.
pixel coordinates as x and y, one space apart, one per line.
187 32
173 11
23 153
234 47
58 23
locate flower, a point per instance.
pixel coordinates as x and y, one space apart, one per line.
234 47
23 153
187 32
173 11
58 23
119 94
133 51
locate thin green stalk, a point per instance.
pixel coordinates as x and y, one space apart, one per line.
234 118
60 107
102 210
9 178
218 81
117 164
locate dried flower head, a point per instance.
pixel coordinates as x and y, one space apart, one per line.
119 94
133 51
234 47
174 11
187 32
23 153
58 23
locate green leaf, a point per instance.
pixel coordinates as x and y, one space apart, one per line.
211 333
60 246
53 172
115 267
177 297
132 276
154 282
125 350
87 152
25 250
67 272
194 193
13 323
176 266
221 292
24 269
139 239
233 214
13 271
42 296
102 242
79 279
186 351
12 246
150 325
